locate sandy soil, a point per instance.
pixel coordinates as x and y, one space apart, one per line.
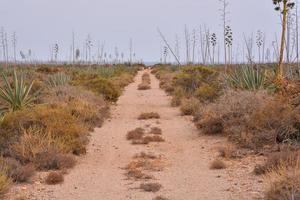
99 175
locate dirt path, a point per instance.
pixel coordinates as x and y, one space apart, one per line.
100 174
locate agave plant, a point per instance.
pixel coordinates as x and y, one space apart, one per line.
16 95
247 78
59 79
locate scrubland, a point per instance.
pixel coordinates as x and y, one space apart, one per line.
47 112
254 112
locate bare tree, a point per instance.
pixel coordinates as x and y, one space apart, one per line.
283 6
224 14
14 44
167 44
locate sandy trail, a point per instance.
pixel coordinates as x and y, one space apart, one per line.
99 174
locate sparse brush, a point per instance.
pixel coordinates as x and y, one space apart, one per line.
284 183
15 96
144 155
138 174
4 183
136 134
145 85
160 198
277 160
217 164
155 131
247 78
16 171
150 187
54 178
189 106
59 79
150 115
228 151
155 138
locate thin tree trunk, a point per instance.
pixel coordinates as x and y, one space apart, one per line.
283 34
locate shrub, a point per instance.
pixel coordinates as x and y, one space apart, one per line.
177 97
51 125
98 85
191 78
136 134
144 86
277 160
207 93
87 107
150 115
15 96
235 114
59 79
217 164
4 183
16 171
54 178
284 184
150 187
248 78
155 131
189 106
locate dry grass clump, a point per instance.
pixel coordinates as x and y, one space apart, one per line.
4 183
54 178
153 138
15 171
146 164
139 137
150 115
229 151
136 134
144 155
189 106
138 174
277 160
155 131
146 81
160 198
217 164
284 183
150 187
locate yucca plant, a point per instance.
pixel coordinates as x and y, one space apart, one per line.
16 95
59 79
247 78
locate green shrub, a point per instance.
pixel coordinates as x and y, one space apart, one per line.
98 85
59 79
191 78
247 78
15 96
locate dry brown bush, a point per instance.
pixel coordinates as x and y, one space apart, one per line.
150 115
284 183
155 131
155 138
54 178
189 106
229 151
146 81
160 198
89 108
16 171
150 187
144 155
135 134
138 174
217 164
277 160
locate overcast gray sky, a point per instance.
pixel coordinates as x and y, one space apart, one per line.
40 23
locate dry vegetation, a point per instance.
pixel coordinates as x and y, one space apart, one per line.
50 112
150 115
146 82
140 136
254 113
